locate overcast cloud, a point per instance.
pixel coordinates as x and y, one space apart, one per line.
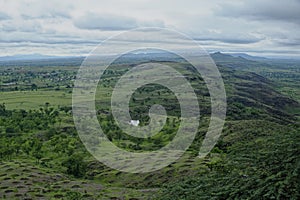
4 16
74 27
282 11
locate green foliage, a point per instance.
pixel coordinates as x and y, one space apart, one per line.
75 165
265 167
72 195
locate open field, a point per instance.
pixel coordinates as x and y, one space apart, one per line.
35 99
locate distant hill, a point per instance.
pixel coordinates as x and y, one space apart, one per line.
40 60
248 57
34 56
238 62
218 56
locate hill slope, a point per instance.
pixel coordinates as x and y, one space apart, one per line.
256 157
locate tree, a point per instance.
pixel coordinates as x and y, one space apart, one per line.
34 87
37 150
2 109
75 165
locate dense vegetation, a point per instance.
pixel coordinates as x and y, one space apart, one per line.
257 157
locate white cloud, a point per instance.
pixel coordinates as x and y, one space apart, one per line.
105 22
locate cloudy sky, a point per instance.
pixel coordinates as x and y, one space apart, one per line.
73 27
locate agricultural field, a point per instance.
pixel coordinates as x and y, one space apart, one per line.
35 99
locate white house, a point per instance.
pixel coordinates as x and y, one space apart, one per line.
134 122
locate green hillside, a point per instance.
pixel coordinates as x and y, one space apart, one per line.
257 156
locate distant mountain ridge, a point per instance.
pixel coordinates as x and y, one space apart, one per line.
38 56
236 60
247 56
34 56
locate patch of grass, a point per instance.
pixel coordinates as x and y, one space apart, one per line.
34 99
